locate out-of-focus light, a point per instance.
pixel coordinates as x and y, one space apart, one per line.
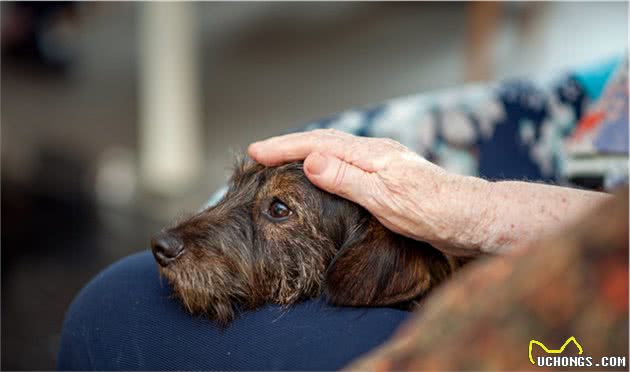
115 184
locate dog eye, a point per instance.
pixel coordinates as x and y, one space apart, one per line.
278 210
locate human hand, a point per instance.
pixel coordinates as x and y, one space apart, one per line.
405 192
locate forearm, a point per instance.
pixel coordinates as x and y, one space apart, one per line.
509 212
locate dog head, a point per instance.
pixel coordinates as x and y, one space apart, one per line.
276 238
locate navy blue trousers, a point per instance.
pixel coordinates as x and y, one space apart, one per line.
126 319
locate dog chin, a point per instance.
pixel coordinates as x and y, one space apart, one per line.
197 299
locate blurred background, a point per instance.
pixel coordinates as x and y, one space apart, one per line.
117 117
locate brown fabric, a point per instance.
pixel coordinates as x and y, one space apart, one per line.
572 284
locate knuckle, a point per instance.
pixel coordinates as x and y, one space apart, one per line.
333 131
324 130
340 177
391 143
353 148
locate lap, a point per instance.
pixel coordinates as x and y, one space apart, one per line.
126 318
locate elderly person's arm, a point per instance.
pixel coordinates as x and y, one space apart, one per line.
458 214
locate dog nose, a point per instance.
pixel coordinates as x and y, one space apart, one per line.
166 248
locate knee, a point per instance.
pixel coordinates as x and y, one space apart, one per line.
100 307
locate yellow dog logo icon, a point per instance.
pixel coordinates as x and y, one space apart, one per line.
553 351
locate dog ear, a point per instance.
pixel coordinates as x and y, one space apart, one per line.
376 267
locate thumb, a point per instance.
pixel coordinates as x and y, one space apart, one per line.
335 176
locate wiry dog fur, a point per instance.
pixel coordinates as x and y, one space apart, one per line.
236 256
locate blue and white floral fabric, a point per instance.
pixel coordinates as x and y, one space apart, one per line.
507 130
599 145
512 129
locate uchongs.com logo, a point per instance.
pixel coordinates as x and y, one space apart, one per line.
553 357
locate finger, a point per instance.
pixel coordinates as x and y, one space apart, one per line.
337 176
297 146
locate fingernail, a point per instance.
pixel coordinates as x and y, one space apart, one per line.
316 164
253 149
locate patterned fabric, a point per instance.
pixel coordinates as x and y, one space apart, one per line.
599 145
571 285
594 77
509 130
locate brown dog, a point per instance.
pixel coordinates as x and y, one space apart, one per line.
276 238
